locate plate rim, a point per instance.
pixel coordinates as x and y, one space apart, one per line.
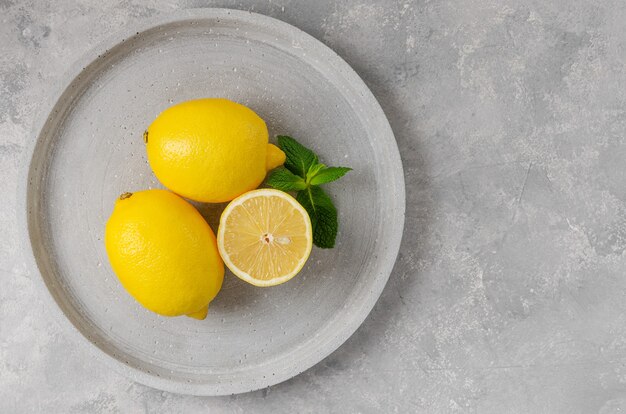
352 320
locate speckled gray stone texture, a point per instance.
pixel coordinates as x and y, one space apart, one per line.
509 294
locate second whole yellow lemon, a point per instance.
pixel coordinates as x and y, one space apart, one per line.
210 150
164 253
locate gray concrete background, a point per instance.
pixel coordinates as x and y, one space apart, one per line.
509 293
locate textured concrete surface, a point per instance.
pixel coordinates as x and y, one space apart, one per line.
509 292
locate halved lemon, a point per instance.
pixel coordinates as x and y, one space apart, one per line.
265 237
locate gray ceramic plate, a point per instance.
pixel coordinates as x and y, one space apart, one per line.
89 149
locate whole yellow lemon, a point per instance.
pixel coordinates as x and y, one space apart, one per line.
164 253
210 150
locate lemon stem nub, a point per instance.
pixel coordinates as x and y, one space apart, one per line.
145 136
125 196
275 157
201 314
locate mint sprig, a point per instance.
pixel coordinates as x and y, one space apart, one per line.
304 173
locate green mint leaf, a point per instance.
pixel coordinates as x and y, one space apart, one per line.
285 180
313 170
299 158
323 215
328 174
